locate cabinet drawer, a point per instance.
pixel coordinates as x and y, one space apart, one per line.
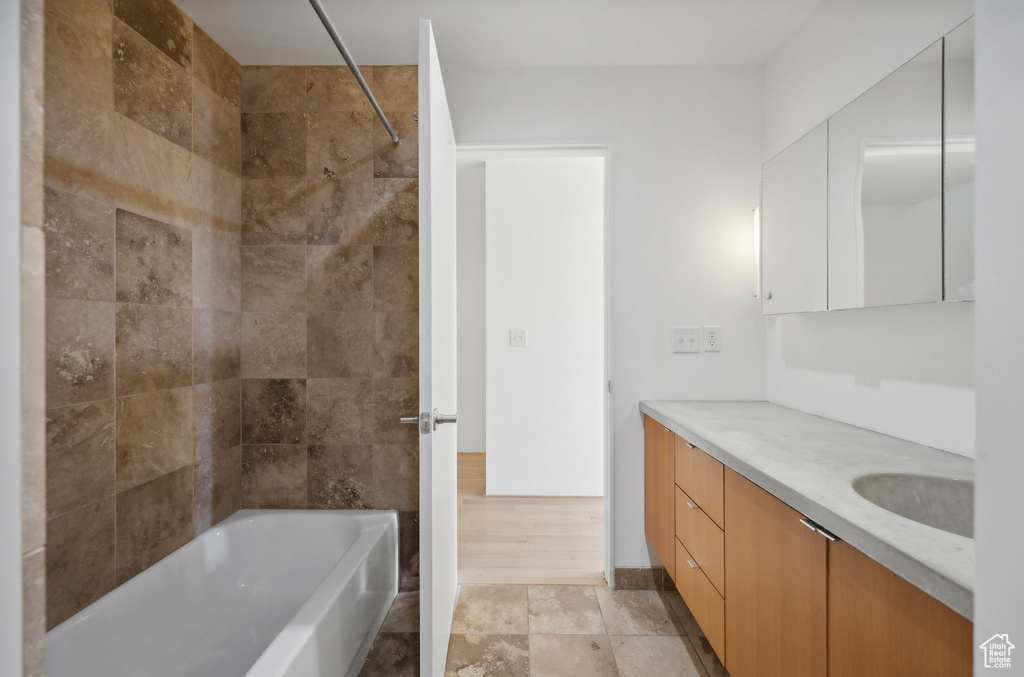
707 606
702 478
702 538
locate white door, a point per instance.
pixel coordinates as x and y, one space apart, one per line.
438 574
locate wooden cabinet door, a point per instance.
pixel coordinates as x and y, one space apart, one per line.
776 587
881 625
659 491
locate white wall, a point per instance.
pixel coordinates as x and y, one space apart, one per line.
686 158
10 344
470 218
905 371
545 274
999 473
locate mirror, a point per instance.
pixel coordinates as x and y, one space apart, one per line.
885 190
958 218
794 210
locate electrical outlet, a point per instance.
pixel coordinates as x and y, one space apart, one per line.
517 338
712 338
685 339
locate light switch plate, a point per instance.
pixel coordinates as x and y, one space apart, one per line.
685 339
517 338
712 339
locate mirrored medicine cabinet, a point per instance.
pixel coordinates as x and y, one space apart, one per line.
875 206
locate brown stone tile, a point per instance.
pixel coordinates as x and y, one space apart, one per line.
708 658
79 247
79 149
217 344
571 655
79 560
33 388
150 88
161 23
339 410
637 612
391 161
273 211
404 614
155 435
392 399
78 66
396 342
639 578
154 262
396 476
396 278
31 72
153 176
33 614
273 89
79 351
215 68
274 411
217 126
338 143
153 520
393 655
396 87
339 278
154 348
79 456
491 655
396 211
217 271
218 469
273 145
218 487
334 88
273 279
339 211
274 476
564 610
643 656
273 345
340 477
339 345
491 609
409 550
218 200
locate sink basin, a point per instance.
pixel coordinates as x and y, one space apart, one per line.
940 502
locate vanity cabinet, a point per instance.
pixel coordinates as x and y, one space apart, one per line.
881 625
659 491
777 582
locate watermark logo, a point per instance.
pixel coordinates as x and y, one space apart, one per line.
996 650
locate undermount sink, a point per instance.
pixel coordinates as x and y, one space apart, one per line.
941 502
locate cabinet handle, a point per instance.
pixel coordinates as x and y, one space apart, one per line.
814 526
690 445
693 565
692 505
808 523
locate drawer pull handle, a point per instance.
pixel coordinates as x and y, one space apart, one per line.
808 523
692 505
814 526
690 445
693 565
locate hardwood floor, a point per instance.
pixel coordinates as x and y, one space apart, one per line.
526 540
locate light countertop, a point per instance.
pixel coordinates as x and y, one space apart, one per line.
810 462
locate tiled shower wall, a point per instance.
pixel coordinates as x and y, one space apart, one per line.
142 217
329 347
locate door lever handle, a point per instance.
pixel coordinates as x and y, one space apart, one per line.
423 421
409 420
440 419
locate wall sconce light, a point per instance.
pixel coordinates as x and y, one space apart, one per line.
757 252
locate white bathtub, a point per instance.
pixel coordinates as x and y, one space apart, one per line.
266 593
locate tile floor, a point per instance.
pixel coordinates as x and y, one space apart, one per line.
551 631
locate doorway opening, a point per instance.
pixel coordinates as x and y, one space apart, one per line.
533 316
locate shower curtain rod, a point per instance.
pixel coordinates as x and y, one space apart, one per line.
326 20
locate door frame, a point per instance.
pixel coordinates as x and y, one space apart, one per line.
602 149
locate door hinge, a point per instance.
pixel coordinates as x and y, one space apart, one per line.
609 387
